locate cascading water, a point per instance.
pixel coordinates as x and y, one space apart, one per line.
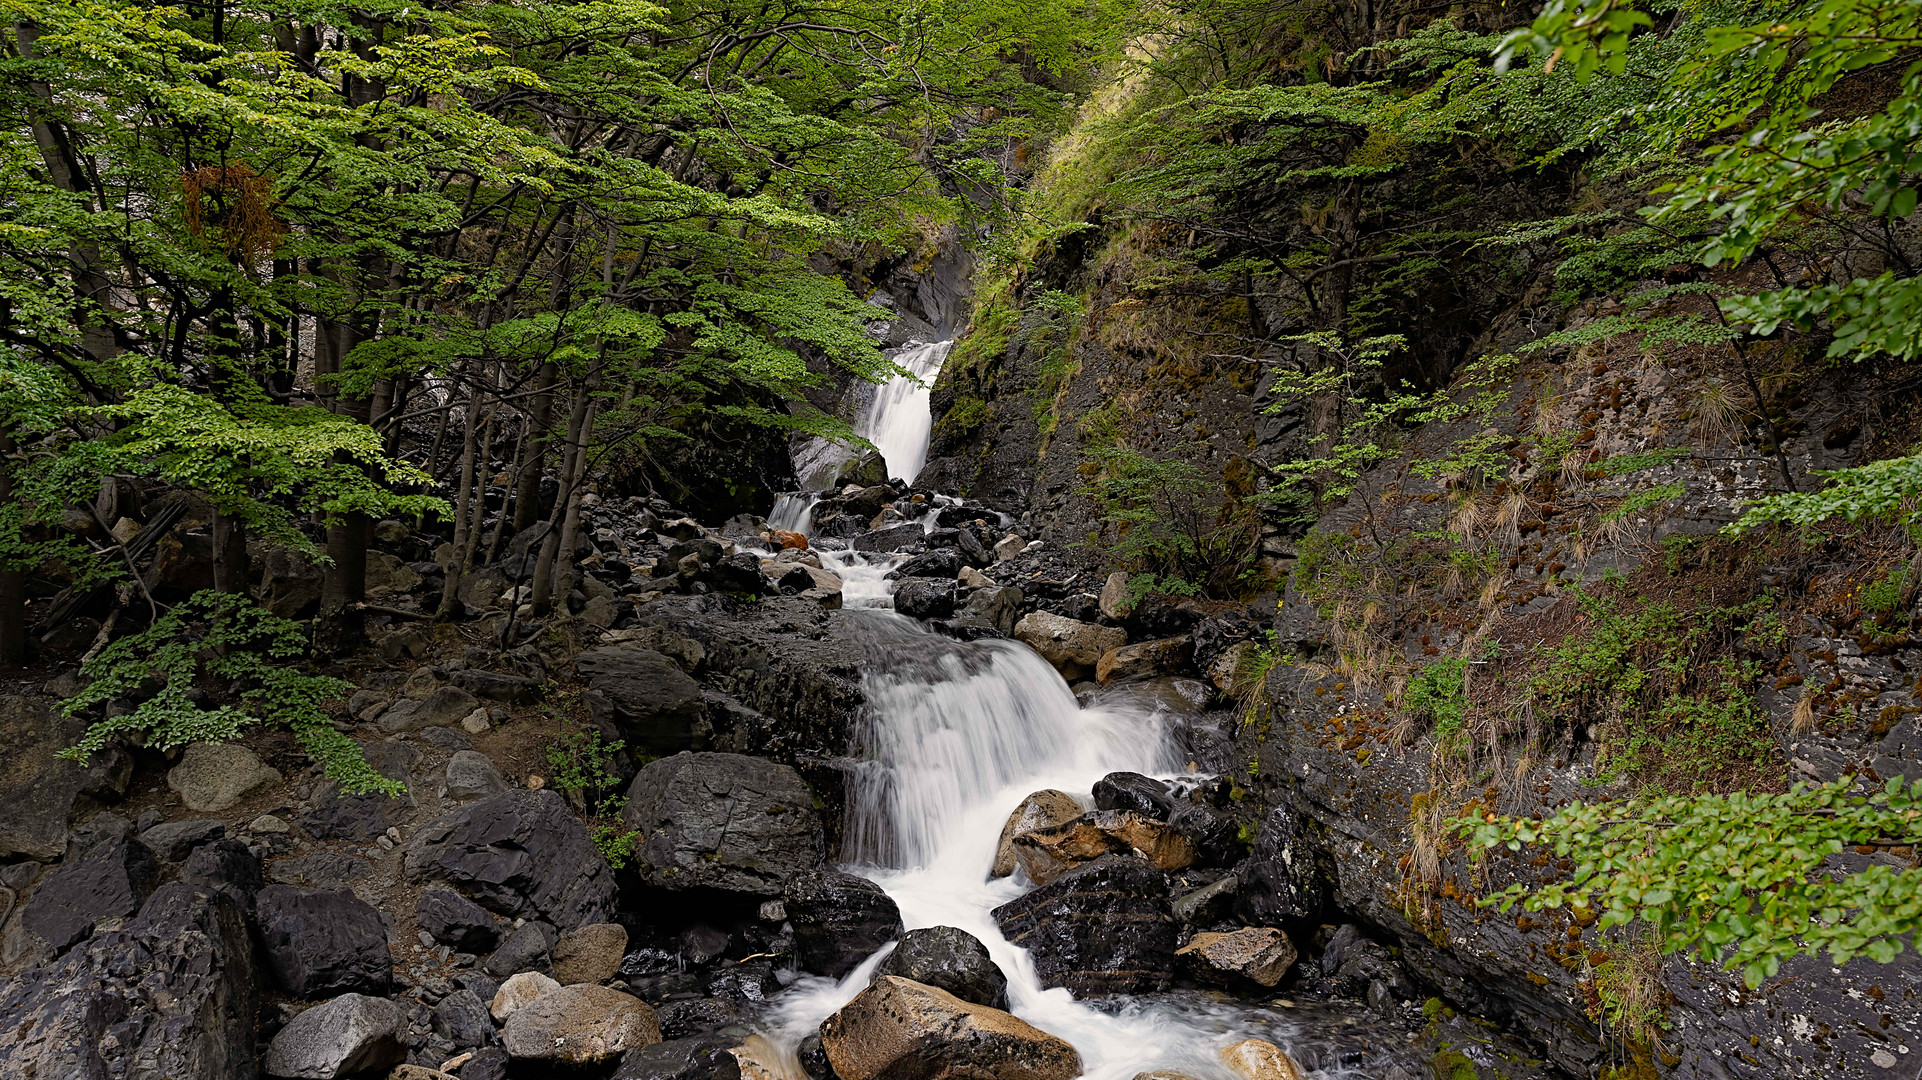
898 421
955 735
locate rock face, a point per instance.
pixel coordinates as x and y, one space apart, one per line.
1261 955
170 995
350 1034
723 821
899 1029
579 1025
522 854
213 776
1046 854
40 791
1071 646
839 920
646 696
1102 928
589 954
318 942
1132 791
948 959
110 880
1041 810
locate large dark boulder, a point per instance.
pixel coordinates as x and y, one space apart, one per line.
1100 929
839 920
951 959
924 598
452 919
702 1057
225 866
905 537
723 821
1132 791
644 695
522 854
462 1019
170 995
319 942
939 563
336 816
111 880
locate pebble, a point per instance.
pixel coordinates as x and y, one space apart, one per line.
476 722
385 844
426 939
393 833
267 823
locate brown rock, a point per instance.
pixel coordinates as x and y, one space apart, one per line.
1041 810
1162 1074
1261 955
897 1028
589 954
1070 645
1258 1060
788 539
1165 656
1046 854
580 1025
1114 601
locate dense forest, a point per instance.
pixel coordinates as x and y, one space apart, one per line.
1485 436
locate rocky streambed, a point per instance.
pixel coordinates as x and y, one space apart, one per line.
915 797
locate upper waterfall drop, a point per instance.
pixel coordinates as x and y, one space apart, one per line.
900 419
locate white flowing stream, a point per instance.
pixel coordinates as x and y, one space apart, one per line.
955 735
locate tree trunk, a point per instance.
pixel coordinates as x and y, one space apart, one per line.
567 505
540 418
13 596
230 555
456 565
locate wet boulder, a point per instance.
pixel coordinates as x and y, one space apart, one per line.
1102 928
318 942
1041 810
939 563
897 1028
948 959
177 981
522 854
723 821
1214 835
1046 854
1144 795
908 536
579 1025
924 598
348 1035
1258 955
700 1057
986 611
645 695
839 920
1254 1059
1281 879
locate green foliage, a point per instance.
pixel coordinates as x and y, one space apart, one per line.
581 765
1675 704
1173 523
1881 491
1622 464
217 636
1887 595
1738 879
1438 690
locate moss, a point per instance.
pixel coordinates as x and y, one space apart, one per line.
1452 1065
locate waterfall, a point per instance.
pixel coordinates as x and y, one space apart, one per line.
955 735
897 420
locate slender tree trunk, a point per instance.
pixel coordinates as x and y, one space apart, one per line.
580 423
13 596
455 567
540 417
230 555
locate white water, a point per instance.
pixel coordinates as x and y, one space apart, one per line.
899 419
957 735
